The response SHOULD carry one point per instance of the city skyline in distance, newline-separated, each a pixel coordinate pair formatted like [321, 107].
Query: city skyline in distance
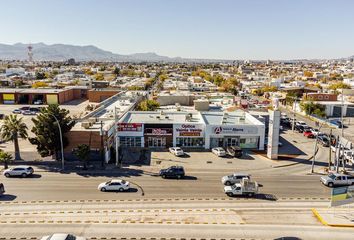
[230, 30]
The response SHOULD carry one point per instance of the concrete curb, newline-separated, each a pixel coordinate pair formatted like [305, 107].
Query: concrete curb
[325, 223]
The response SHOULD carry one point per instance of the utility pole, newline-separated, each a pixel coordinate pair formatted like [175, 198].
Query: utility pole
[342, 113]
[293, 125]
[337, 154]
[101, 134]
[330, 152]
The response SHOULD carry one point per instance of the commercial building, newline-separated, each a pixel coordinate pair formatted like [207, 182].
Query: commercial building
[233, 129]
[41, 95]
[203, 130]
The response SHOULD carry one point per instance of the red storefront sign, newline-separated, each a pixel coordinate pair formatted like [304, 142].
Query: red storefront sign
[130, 127]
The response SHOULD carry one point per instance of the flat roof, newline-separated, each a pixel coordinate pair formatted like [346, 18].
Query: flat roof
[160, 117]
[31, 90]
[226, 118]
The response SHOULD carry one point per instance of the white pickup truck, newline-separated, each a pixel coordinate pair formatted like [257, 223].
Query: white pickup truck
[337, 179]
[244, 188]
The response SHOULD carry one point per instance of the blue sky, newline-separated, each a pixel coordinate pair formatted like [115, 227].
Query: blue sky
[222, 29]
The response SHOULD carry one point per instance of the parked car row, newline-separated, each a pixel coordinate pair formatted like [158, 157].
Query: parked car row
[27, 110]
[232, 151]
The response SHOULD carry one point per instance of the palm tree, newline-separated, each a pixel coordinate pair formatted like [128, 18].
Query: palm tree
[12, 129]
[5, 157]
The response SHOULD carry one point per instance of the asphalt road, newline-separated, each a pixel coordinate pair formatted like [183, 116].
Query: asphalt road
[218, 219]
[57, 186]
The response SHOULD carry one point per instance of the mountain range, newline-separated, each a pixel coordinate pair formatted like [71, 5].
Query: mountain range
[63, 52]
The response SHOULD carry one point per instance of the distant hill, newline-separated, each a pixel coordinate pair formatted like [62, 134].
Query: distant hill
[62, 52]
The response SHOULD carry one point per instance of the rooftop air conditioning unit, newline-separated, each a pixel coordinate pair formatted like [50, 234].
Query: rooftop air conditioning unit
[92, 120]
[86, 125]
[167, 117]
[188, 118]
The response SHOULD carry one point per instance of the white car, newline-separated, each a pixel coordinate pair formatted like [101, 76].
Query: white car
[315, 132]
[301, 123]
[177, 151]
[62, 236]
[20, 171]
[114, 185]
[219, 151]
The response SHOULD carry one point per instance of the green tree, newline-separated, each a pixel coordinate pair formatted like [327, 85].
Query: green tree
[83, 153]
[40, 75]
[116, 71]
[312, 108]
[6, 158]
[12, 129]
[46, 130]
[148, 105]
[339, 85]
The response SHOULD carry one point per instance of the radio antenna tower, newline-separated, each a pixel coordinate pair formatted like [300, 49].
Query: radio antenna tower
[30, 53]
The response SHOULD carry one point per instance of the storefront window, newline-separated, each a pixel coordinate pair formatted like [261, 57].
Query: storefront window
[130, 141]
[190, 142]
[250, 142]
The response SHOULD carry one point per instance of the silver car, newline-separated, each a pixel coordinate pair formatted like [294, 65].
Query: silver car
[234, 178]
[62, 236]
[19, 171]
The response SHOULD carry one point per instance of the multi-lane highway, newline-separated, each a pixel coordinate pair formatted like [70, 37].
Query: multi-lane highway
[56, 186]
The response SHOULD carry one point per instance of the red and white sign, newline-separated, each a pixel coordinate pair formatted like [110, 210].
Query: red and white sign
[188, 130]
[130, 127]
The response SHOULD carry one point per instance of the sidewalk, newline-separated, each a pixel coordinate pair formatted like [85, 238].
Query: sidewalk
[336, 217]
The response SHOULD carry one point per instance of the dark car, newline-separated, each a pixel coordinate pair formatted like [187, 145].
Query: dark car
[299, 128]
[323, 140]
[24, 108]
[337, 123]
[2, 188]
[172, 172]
[234, 151]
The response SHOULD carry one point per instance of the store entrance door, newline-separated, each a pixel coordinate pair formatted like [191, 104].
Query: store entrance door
[235, 141]
[157, 142]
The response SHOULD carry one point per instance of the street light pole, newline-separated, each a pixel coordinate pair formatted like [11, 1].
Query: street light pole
[314, 150]
[61, 141]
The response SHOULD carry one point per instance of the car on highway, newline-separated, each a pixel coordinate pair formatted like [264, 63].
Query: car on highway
[19, 171]
[234, 178]
[219, 151]
[172, 172]
[234, 151]
[337, 179]
[62, 236]
[17, 111]
[28, 112]
[2, 189]
[177, 151]
[114, 185]
[308, 133]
